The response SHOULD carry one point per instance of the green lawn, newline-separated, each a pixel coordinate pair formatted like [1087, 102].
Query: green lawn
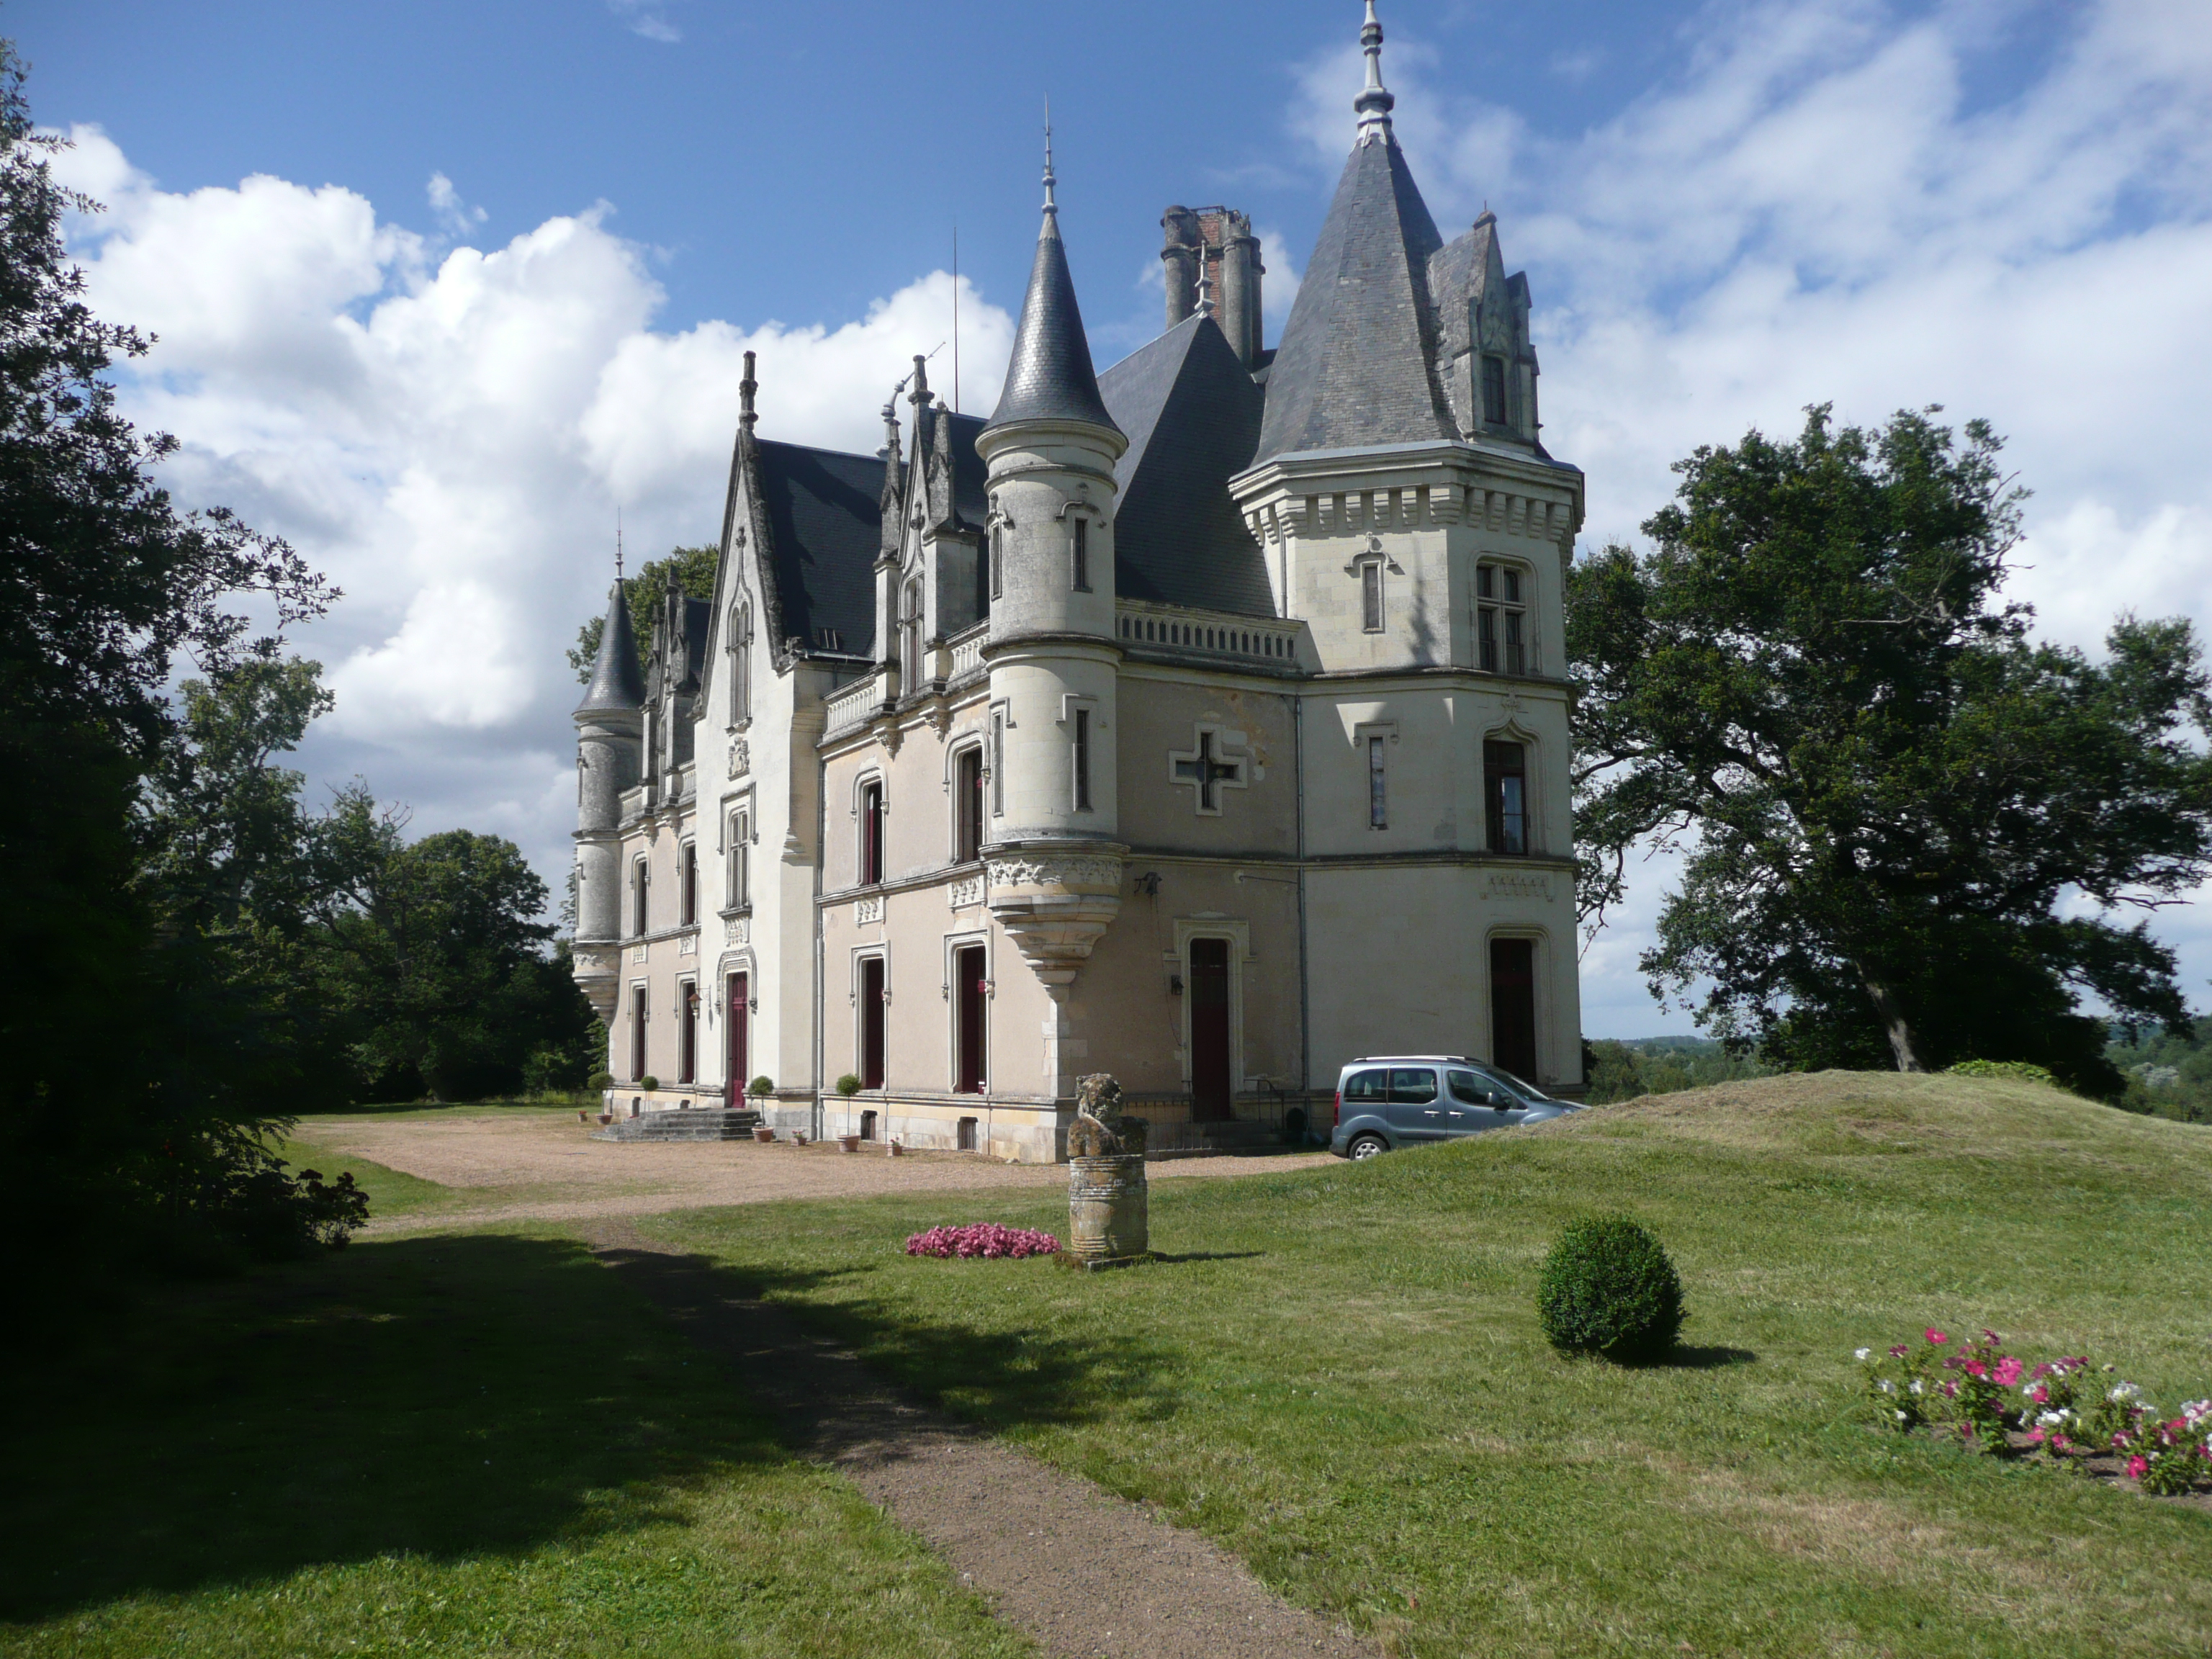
[390, 1192]
[1339, 1374]
[463, 1444]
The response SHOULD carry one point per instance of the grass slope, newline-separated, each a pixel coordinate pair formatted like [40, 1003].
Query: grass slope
[1339, 1373]
[467, 1444]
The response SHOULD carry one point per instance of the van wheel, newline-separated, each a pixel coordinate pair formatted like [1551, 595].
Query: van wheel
[1365, 1147]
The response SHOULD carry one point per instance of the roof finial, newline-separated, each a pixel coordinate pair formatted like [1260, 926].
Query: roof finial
[746, 387]
[1050, 206]
[1373, 104]
[921, 395]
[618, 546]
[1206, 258]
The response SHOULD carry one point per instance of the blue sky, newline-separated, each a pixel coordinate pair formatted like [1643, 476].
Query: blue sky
[440, 287]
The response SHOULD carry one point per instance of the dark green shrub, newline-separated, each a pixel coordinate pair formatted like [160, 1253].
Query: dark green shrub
[762, 1084]
[601, 1082]
[848, 1085]
[648, 1083]
[2019, 1071]
[1608, 1288]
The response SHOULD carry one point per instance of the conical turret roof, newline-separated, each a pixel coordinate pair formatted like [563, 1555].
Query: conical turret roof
[1050, 377]
[617, 682]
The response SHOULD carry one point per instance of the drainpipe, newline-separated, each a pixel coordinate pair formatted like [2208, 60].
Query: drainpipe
[821, 942]
[1298, 779]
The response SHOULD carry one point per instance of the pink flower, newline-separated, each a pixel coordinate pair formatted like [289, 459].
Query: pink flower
[1937, 1336]
[1975, 1368]
[2039, 1394]
[2136, 1467]
[2035, 1437]
[2009, 1370]
[1898, 1352]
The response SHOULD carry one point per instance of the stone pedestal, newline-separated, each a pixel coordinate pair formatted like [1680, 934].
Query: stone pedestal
[1107, 1218]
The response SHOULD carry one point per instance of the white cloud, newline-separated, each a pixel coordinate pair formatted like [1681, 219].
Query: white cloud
[647, 17]
[1816, 210]
[450, 439]
[456, 216]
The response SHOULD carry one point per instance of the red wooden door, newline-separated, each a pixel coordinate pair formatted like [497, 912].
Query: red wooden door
[871, 1022]
[1209, 1030]
[1513, 1006]
[735, 1069]
[967, 973]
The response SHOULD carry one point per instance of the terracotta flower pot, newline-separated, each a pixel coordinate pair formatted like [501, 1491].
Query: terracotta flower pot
[849, 1143]
[605, 1118]
[763, 1134]
[797, 1138]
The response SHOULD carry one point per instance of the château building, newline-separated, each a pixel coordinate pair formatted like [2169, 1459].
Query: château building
[1203, 721]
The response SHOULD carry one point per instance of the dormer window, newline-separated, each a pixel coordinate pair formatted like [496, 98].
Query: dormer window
[1493, 390]
[1500, 620]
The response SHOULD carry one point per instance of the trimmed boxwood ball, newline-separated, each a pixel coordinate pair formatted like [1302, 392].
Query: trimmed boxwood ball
[1608, 1288]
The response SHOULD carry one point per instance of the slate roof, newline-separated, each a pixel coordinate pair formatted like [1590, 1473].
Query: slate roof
[1192, 415]
[1356, 365]
[824, 520]
[1050, 377]
[618, 681]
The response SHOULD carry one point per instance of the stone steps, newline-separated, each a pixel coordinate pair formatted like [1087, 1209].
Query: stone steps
[707, 1123]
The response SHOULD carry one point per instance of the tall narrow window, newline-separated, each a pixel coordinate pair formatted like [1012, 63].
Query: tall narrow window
[1500, 620]
[686, 1035]
[968, 806]
[1505, 793]
[1083, 760]
[910, 639]
[998, 561]
[871, 834]
[1370, 595]
[637, 888]
[971, 988]
[1493, 390]
[741, 663]
[1379, 799]
[1082, 526]
[999, 763]
[874, 988]
[636, 1032]
[689, 906]
[741, 862]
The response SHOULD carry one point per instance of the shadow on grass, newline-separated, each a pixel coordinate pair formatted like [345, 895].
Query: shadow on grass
[1168, 1259]
[1684, 1358]
[444, 1396]
[825, 1363]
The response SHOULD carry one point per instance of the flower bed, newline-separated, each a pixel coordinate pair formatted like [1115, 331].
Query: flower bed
[2059, 1408]
[987, 1239]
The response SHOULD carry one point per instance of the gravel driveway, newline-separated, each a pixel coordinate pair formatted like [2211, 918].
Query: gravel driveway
[544, 1166]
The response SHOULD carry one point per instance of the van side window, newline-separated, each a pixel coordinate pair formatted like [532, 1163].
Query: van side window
[1470, 1087]
[1412, 1085]
[1372, 1086]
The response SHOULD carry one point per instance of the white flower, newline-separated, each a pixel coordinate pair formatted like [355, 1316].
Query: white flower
[1888, 1386]
[2050, 1419]
[2123, 1391]
[1861, 1356]
[1918, 1386]
[1904, 1417]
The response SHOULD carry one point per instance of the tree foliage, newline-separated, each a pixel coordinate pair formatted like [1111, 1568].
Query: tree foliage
[1890, 802]
[691, 568]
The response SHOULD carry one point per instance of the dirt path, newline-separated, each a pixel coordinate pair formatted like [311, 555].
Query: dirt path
[544, 1166]
[1085, 1573]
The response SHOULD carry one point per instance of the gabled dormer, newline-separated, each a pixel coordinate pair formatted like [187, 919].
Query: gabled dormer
[1488, 364]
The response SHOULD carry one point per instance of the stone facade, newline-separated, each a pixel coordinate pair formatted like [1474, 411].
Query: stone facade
[1183, 722]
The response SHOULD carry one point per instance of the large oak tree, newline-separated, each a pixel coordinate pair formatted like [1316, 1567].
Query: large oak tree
[1910, 832]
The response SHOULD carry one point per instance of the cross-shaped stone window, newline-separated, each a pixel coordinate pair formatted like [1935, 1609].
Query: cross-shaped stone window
[1206, 772]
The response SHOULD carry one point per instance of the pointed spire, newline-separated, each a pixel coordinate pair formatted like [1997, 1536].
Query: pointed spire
[922, 395]
[746, 413]
[1374, 104]
[1051, 207]
[891, 505]
[617, 682]
[1050, 377]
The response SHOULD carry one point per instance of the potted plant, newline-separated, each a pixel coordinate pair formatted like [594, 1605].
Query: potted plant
[760, 1089]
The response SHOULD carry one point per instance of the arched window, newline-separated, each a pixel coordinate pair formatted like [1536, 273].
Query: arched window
[910, 639]
[1505, 795]
[741, 664]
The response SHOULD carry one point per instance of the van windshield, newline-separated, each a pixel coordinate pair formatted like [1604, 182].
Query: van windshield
[1528, 1091]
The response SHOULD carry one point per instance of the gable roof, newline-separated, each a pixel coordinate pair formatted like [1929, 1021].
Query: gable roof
[1192, 415]
[824, 521]
[1356, 365]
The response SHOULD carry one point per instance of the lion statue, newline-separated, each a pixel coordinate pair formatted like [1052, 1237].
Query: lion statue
[1101, 1128]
